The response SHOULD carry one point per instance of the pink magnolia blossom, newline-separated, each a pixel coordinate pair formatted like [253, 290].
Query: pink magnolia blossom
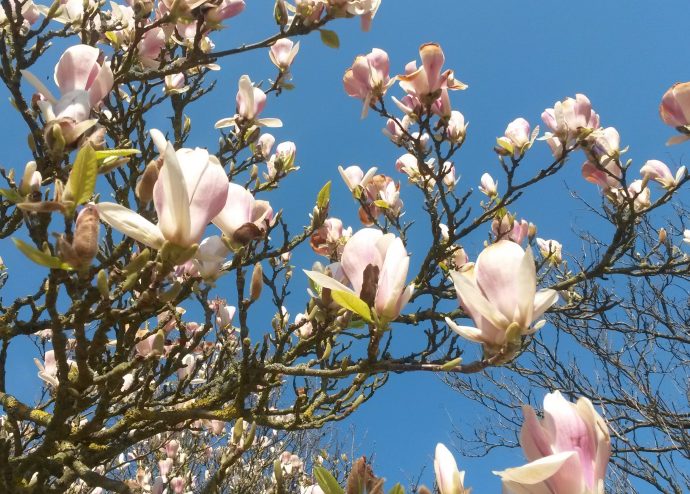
[659, 171]
[368, 79]
[449, 479]
[305, 327]
[499, 294]
[208, 259]
[31, 179]
[567, 120]
[606, 177]
[396, 129]
[243, 218]
[380, 260]
[151, 45]
[250, 103]
[47, 370]
[568, 450]
[29, 10]
[191, 189]
[381, 194]
[224, 10]
[508, 228]
[264, 144]
[354, 177]
[150, 344]
[84, 81]
[283, 52]
[516, 139]
[330, 238]
[550, 249]
[488, 186]
[426, 82]
[675, 110]
[456, 128]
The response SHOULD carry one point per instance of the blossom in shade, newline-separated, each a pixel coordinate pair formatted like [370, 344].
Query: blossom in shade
[568, 450]
[499, 294]
[330, 238]
[376, 266]
[191, 189]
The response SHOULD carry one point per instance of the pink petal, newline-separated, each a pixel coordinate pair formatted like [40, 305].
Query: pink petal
[359, 252]
[77, 68]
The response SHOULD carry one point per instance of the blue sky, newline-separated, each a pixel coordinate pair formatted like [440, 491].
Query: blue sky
[518, 59]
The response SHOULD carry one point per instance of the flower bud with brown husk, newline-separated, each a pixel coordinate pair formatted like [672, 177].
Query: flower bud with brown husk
[84, 246]
[144, 188]
[362, 479]
[257, 282]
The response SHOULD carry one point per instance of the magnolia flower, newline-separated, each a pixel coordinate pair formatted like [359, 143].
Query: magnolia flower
[366, 9]
[224, 313]
[658, 171]
[282, 53]
[224, 10]
[47, 370]
[507, 227]
[305, 328]
[263, 145]
[448, 478]
[84, 80]
[243, 218]
[550, 249]
[603, 145]
[330, 238]
[381, 193]
[606, 177]
[456, 128]
[568, 450]
[396, 129]
[368, 78]
[516, 139]
[354, 177]
[675, 110]
[376, 266]
[250, 103]
[640, 194]
[568, 119]
[31, 179]
[426, 82]
[488, 186]
[208, 259]
[686, 236]
[150, 47]
[29, 10]
[499, 294]
[191, 189]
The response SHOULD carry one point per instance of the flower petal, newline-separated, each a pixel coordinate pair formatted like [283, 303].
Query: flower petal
[131, 224]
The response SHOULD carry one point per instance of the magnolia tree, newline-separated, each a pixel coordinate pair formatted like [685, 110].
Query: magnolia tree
[155, 380]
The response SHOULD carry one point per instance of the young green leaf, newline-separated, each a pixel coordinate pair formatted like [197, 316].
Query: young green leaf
[324, 196]
[82, 178]
[107, 153]
[39, 257]
[11, 195]
[397, 489]
[326, 481]
[329, 38]
[352, 302]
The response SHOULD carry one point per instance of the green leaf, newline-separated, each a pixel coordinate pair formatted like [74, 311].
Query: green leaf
[40, 257]
[353, 303]
[329, 38]
[451, 364]
[397, 489]
[107, 153]
[326, 481]
[82, 178]
[324, 196]
[11, 195]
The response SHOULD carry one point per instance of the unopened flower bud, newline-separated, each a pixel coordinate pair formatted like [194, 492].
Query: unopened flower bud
[31, 180]
[662, 235]
[144, 188]
[86, 231]
[531, 230]
[280, 13]
[257, 282]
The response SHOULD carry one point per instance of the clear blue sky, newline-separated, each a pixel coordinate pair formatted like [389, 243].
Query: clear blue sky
[518, 59]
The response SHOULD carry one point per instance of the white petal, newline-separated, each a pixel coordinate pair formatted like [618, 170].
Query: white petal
[159, 140]
[475, 301]
[269, 122]
[40, 87]
[131, 224]
[467, 332]
[538, 470]
[327, 282]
